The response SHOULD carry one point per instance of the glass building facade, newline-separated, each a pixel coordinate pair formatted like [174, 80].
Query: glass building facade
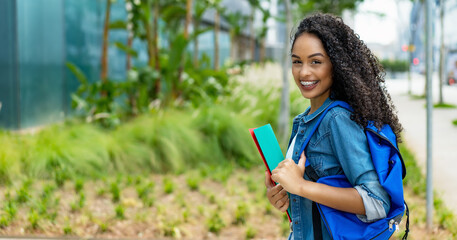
[40, 36]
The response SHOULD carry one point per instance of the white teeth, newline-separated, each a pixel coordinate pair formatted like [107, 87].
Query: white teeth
[307, 83]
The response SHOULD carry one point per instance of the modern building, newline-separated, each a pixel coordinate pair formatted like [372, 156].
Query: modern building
[41, 36]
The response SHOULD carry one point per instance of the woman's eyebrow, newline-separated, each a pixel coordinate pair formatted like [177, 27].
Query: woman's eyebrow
[295, 56]
[315, 54]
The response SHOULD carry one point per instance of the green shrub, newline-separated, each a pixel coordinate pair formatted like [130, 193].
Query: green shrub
[79, 203]
[120, 212]
[10, 155]
[67, 230]
[79, 185]
[250, 232]
[103, 227]
[193, 182]
[163, 140]
[48, 190]
[4, 221]
[395, 65]
[444, 105]
[168, 185]
[22, 194]
[414, 178]
[33, 218]
[143, 191]
[115, 192]
[241, 213]
[215, 223]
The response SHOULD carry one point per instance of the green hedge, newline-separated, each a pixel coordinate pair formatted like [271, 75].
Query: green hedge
[395, 65]
[167, 140]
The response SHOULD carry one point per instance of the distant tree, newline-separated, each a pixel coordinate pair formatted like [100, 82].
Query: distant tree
[327, 6]
[199, 9]
[188, 18]
[255, 4]
[266, 15]
[218, 9]
[237, 21]
[104, 58]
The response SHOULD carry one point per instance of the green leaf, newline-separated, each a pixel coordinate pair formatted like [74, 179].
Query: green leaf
[78, 102]
[128, 50]
[197, 33]
[173, 13]
[118, 24]
[77, 72]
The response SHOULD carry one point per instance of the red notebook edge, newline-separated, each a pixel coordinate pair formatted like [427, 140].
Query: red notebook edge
[251, 130]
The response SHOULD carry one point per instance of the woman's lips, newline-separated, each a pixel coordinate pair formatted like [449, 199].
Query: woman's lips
[308, 85]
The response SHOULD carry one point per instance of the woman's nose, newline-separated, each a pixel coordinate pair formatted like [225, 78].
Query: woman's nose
[304, 71]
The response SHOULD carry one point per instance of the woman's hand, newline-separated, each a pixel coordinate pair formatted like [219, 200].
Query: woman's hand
[276, 194]
[290, 175]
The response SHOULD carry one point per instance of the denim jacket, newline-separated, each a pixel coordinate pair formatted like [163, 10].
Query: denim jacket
[339, 146]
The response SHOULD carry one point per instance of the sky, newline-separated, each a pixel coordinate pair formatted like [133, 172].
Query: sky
[385, 30]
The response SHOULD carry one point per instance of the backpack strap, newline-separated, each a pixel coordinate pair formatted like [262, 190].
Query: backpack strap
[407, 223]
[311, 173]
[332, 105]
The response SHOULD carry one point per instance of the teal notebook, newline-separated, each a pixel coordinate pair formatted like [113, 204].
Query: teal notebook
[269, 148]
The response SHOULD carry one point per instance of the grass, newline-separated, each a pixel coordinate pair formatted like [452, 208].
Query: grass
[415, 181]
[170, 141]
[417, 97]
[211, 140]
[230, 209]
[444, 105]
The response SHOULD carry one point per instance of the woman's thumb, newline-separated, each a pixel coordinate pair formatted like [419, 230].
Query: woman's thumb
[268, 182]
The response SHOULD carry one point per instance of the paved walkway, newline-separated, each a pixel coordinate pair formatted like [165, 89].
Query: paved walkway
[412, 114]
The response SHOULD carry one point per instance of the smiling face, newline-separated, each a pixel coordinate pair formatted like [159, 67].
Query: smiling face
[312, 69]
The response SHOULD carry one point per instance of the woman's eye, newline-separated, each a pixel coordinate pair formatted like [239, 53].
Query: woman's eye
[296, 62]
[316, 62]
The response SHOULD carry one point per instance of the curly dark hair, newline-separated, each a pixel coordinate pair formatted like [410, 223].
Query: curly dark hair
[358, 77]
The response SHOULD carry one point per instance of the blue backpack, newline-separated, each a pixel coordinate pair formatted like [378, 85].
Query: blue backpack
[391, 170]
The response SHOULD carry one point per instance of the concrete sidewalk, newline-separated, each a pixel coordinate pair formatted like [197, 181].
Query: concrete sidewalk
[412, 114]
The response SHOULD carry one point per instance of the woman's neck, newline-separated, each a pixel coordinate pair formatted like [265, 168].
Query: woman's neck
[315, 104]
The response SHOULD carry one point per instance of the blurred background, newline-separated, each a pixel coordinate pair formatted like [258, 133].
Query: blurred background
[42, 36]
[130, 118]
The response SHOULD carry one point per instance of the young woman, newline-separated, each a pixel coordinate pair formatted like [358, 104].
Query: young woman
[330, 62]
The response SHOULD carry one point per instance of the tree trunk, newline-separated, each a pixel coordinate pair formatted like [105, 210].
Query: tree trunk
[252, 34]
[175, 91]
[154, 60]
[196, 27]
[233, 49]
[104, 60]
[188, 18]
[129, 57]
[132, 98]
[262, 52]
[216, 40]
[150, 42]
[285, 105]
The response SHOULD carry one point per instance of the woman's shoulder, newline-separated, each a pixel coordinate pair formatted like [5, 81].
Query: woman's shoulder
[338, 112]
[339, 117]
